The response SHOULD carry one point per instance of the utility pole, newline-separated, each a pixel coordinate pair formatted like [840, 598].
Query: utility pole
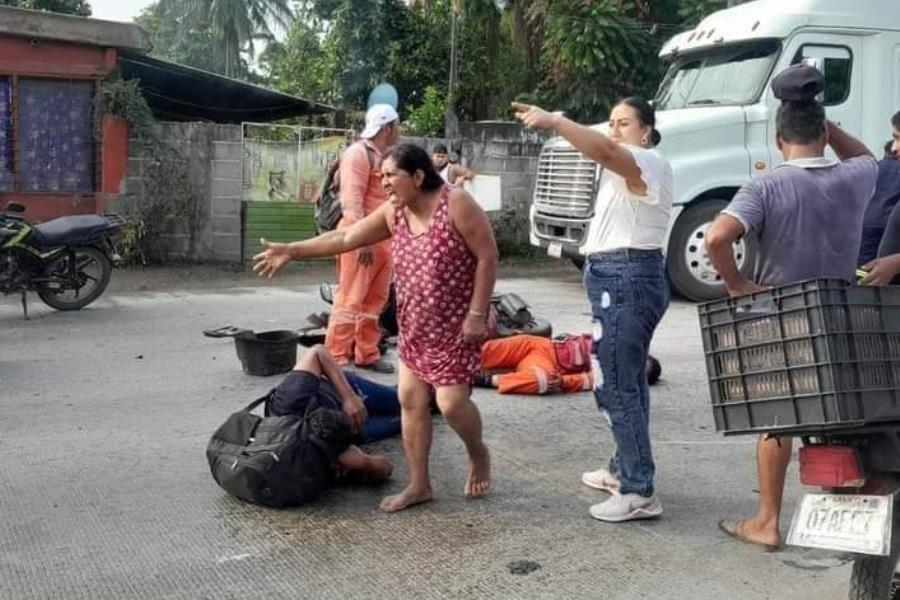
[451, 122]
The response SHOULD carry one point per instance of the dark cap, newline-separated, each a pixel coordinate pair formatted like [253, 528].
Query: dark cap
[798, 83]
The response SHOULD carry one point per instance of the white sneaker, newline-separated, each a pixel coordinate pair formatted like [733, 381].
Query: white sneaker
[601, 479]
[627, 507]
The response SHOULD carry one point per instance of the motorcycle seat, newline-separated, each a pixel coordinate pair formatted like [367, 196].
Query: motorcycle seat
[69, 229]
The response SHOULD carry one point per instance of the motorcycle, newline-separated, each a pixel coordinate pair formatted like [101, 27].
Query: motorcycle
[67, 261]
[858, 513]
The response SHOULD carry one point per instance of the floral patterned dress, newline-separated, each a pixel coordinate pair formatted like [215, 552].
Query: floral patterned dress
[434, 273]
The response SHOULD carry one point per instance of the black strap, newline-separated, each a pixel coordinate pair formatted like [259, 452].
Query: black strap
[369, 154]
[256, 403]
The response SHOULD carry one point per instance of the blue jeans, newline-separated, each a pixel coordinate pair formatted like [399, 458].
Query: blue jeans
[382, 406]
[629, 295]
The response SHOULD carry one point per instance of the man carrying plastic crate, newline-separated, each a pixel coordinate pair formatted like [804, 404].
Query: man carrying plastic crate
[807, 215]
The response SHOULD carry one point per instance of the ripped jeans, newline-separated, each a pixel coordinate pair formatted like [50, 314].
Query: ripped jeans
[629, 294]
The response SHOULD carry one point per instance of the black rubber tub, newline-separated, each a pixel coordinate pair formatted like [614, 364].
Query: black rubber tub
[268, 352]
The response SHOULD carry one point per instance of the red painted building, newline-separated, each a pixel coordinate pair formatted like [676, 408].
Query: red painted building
[57, 156]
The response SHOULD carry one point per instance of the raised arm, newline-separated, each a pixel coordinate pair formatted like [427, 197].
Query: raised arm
[844, 145]
[370, 230]
[474, 228]
[593, 144]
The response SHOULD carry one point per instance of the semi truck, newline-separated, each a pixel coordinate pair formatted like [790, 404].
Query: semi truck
[716, 114]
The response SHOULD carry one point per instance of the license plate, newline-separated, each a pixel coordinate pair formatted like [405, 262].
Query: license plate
[843, 522]
[555, 250]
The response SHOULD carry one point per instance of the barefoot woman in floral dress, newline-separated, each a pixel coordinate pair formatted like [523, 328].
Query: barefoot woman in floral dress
[445, 262]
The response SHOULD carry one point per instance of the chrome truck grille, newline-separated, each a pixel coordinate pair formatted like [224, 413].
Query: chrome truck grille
[566, 184]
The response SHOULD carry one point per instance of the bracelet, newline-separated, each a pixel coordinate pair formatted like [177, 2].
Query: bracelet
[476, 313]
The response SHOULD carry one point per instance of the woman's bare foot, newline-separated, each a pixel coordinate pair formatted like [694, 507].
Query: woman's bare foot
[478, 481]
[410, 496]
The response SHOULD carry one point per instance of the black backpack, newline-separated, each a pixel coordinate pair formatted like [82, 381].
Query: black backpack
[328, 200]
[278, 461]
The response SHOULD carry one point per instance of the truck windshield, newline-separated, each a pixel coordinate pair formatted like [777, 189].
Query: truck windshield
[732, 74]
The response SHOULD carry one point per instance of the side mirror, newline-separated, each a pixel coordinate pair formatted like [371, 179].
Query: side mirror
[15, 207]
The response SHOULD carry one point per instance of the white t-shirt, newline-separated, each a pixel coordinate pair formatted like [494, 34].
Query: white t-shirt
[445, 173]
[623, 219]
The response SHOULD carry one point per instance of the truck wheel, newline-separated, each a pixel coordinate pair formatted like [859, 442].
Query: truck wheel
[872, 576]
[690, 269]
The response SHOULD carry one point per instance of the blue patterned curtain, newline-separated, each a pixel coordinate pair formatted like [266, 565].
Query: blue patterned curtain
[6, 135]
[56, 148]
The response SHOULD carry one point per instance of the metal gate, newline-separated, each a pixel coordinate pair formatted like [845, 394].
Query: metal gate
[283, 168]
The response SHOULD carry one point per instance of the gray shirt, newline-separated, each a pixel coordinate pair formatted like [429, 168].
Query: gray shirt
[807, 215]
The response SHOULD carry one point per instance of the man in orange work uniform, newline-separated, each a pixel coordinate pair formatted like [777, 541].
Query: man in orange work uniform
[541, 365]
[365, 275]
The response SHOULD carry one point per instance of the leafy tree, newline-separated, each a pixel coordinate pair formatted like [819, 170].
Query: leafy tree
[80, 8]
[187, 44]
[427, 119]
[693, 11]
[299, 65]
[590, 49]
[235, 25]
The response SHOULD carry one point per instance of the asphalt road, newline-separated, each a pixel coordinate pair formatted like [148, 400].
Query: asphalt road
[105, 492]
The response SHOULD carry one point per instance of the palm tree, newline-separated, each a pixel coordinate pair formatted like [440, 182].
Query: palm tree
[235, 23]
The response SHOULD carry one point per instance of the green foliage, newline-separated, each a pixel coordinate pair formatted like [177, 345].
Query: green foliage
[591, 51]
[693, 11]
[133, 244]
[70, 7]
[191, 44]
[427, 119]
[124, 99]
[228, 29]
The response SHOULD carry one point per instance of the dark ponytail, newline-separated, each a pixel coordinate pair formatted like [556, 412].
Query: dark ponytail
[646, 115]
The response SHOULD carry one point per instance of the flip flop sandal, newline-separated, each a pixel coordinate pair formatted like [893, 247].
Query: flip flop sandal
[735, 530]
[226, 331]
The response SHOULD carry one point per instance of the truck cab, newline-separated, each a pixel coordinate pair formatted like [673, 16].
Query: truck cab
[716, 114]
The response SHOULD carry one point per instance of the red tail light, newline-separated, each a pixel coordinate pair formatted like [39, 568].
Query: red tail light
[831, 466]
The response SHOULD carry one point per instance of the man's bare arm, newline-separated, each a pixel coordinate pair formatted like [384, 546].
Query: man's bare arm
[844, 145]
[720, 238]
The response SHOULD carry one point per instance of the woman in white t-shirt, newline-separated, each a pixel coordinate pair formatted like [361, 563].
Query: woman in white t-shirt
[624, 276]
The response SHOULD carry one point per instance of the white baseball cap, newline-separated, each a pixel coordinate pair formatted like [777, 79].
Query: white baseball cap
[377, 117]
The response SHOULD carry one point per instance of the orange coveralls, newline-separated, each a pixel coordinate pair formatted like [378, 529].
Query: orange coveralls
[533, 360]
[362, 291]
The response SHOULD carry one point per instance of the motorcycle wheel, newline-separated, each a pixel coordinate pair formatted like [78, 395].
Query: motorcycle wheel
[872, 576]
[93, 269]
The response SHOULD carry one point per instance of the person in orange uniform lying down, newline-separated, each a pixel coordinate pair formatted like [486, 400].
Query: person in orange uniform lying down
[540, 365]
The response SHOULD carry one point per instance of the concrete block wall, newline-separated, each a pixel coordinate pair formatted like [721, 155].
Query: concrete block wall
[213, 156]
[510, 151]
[215, 164]
[225, 196]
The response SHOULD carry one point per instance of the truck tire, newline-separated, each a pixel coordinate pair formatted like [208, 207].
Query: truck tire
[690, 271]
[872, 576]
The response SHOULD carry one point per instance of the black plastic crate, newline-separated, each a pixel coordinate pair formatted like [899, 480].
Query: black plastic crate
[803, 358]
